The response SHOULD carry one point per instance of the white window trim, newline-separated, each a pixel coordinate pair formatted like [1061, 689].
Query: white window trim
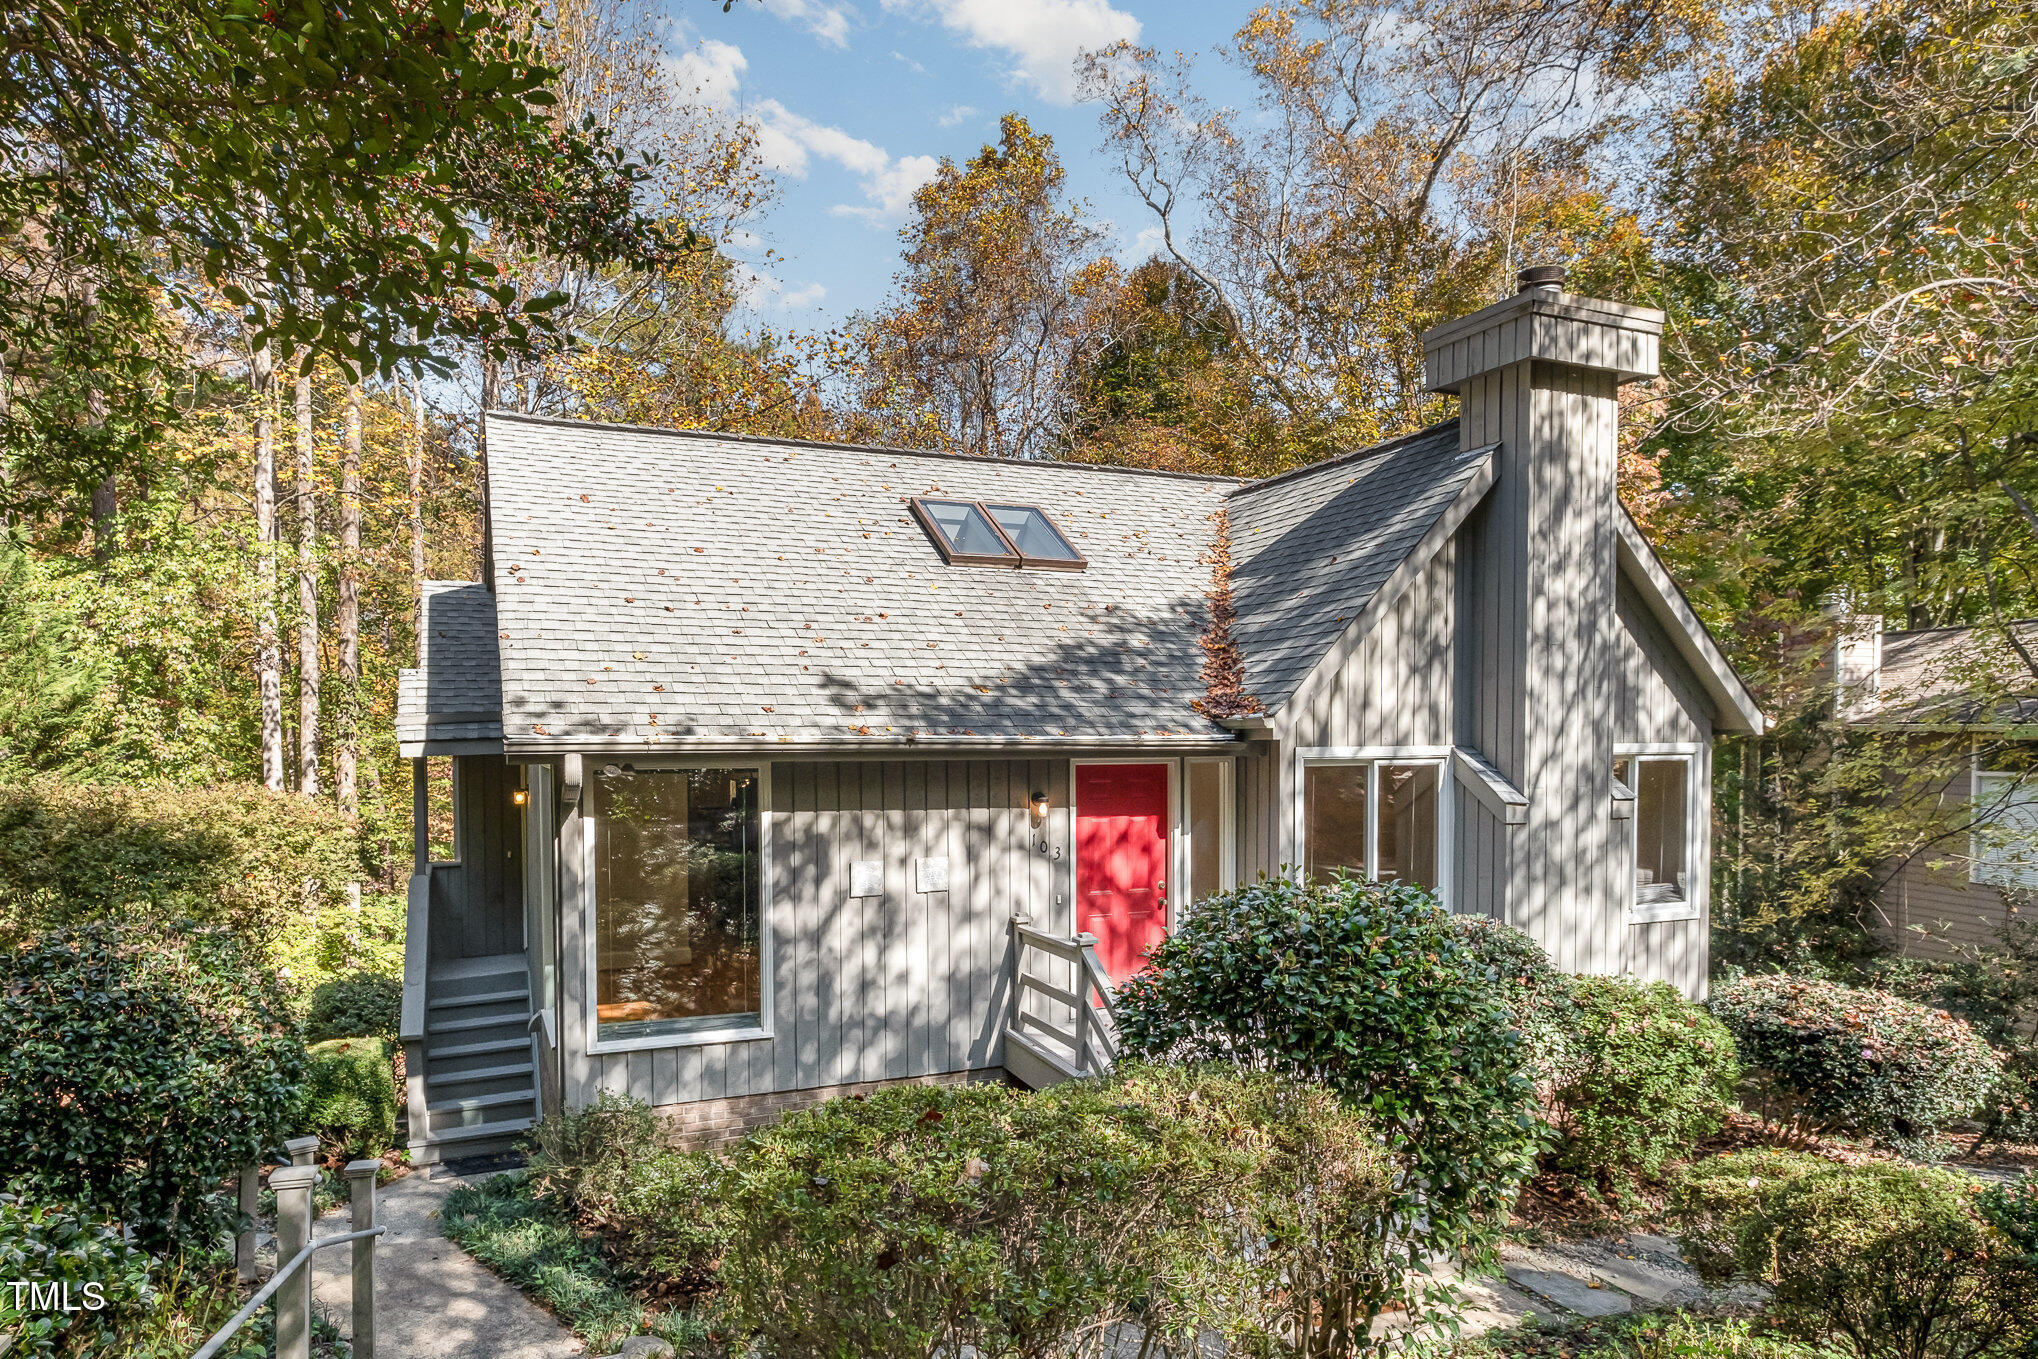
[1440, 757]
[1227, 823]
[1976, 867]
[735, 1033]
[1660, 912]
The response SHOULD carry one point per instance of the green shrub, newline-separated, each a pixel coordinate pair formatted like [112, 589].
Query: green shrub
[1649, 1074]
[1713, 1199]
[64, 1259]
[1861, 1062]
[265, 865]
[1538, 996]
[658, 1212]
[350, 1096]
[1995, 989]
[1887, 1261]
[926, 1220]
[1371, 989]
[358, 1005]
[2012, 1209]
[142, 1068]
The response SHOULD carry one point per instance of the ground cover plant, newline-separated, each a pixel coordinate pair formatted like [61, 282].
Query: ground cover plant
[537, 1246]
[143, 1068]
[1864, 1063]
[1372, 990]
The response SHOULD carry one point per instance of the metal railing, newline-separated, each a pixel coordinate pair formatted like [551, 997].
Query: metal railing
[1089, 1040]
[290, 1285]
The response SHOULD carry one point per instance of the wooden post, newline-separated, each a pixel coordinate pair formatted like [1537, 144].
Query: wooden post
[301, 1150]
[1020, 920]
[293, 1185]
[420, 817]
[361, 1186]
[244, 1239]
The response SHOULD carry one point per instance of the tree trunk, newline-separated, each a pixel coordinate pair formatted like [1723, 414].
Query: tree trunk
[491, 380]
[307, 599]
[348, 754]
[414, 465]
[268, 646]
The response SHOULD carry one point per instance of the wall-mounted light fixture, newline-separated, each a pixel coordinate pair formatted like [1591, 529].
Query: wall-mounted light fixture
[1040, 804]
[520, 796]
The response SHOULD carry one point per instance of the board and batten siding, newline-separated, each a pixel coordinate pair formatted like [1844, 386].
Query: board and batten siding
[862, 988]
[1397, 687]
[478, 900]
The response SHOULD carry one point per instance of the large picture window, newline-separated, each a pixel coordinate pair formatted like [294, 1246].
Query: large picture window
[678, 902]
[1375, 819]
[1662, 826]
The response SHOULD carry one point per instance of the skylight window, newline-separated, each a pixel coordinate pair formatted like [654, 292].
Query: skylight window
[972, 533]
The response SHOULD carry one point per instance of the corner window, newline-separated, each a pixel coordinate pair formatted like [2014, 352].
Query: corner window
[2005, 835]
[1662, 827]
[678, 891]
[974, 533]
[1375, 819]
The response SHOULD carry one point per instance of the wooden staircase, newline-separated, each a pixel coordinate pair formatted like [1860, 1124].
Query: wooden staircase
[1062, 1025]
[480, 1090]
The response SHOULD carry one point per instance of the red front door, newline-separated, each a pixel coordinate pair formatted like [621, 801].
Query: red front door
[1122, 861]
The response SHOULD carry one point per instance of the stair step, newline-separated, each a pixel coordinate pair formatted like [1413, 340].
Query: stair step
[461, 1105]
[521, 993]
[476, 1049]
[479, 1022]
[477, 1075]
[474, 1132]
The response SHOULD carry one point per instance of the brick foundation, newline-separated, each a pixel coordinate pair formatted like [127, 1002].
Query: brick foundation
[715, 1122]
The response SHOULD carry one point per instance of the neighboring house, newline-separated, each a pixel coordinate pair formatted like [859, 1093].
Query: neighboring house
[784, 766]
[1965, 696]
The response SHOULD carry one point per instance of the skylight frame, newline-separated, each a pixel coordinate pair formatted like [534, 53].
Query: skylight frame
[1012, 558]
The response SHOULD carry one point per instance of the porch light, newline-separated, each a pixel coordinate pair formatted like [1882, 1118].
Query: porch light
[520, 796]
[1039, 803]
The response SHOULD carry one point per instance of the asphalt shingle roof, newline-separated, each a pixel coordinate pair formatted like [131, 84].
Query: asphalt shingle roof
[1311, 548]
[455, 693]
[655, 585]
[1957, 676]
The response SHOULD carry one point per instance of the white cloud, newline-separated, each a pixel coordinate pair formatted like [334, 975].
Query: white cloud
[711, 71]
[828, 23]
[1042, 36]
[890, 191]
[915, 67]
[1141, 247]
[957, 113]
[788, 141]
[761, 292]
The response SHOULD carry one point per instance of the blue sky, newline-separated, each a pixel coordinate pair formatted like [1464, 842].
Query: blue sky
[858, 100]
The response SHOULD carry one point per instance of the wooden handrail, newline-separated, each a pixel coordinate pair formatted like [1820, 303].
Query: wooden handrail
[1092, 1045]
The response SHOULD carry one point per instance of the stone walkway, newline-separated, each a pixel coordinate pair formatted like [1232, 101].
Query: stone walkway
[433, 1300]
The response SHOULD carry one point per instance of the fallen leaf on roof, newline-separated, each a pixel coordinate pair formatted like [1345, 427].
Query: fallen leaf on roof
[636, 655]
[540, 730]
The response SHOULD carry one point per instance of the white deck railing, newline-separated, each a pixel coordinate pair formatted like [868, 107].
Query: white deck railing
[1063, 1023]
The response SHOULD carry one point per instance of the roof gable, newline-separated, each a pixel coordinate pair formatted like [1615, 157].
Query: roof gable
[1312, 549]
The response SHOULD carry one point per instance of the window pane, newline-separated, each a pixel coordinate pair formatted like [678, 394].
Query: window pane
[677, 888]
[1206, 828]
[1032, 533]
[968, 532]
[1334, 829]
[2006, 831]
[1660, 826]
[1408, 824]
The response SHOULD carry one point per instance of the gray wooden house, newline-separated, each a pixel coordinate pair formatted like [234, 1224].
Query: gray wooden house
[789, 768]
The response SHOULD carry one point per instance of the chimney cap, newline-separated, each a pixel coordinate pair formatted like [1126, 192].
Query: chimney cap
[1541, 276]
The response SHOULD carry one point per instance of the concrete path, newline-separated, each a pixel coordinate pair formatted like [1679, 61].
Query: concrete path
[433, 1300]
